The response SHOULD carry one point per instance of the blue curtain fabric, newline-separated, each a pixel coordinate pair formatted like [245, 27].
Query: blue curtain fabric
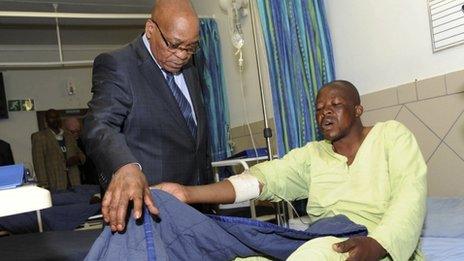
[214, 88]
[300, 59]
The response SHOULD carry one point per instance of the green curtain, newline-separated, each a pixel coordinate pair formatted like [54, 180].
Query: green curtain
[214, 88]
[300, 59]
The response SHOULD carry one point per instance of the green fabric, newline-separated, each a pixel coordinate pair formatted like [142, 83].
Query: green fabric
[300, 59]
[384, 188]
[214, 89]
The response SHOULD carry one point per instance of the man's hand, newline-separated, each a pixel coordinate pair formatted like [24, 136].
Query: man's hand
[361, 248]
[174, 189]
[127, 184]
[72, 161]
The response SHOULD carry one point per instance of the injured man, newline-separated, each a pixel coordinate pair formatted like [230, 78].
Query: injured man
[357, 178]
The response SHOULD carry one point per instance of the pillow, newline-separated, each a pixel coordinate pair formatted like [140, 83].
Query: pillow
[444, 218]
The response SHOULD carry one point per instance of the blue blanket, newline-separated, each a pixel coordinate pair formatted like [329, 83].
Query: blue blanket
[182, 233]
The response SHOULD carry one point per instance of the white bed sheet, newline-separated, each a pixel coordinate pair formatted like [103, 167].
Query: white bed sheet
[443, 248]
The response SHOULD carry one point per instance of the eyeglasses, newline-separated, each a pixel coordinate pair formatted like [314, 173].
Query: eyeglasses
[176, 47]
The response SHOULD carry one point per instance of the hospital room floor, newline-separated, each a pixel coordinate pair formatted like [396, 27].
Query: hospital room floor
[50, 246]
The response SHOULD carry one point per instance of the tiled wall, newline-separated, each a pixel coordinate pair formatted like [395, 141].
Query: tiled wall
[433, 109]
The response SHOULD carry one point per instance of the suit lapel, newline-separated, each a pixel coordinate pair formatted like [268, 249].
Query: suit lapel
[156, 80]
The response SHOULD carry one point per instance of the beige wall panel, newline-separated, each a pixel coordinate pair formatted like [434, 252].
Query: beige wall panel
[256, 128]
[455, 138]
[369, 118]
[427, 140]
[407, 93]
[440, 113]
[240, 131]
[380, 99]
[431, 87]
[445, 173]
[243, 143]
[455, 82]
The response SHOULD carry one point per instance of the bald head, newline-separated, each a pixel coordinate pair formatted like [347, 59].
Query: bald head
[170, 12]
[73, 125]
[173, 32]
[347, 89]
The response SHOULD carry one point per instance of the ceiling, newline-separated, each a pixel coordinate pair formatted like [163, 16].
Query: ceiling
[74, 6]
[123, 6]
[33, 31]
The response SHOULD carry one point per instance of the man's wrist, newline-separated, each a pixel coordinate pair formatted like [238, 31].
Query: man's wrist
[127, 168]
[382, 250]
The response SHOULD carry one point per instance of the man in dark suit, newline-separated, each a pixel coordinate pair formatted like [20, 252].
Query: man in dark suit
[6, 156]
[147, 113]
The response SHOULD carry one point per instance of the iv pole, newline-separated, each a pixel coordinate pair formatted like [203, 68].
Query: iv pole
[281, 207]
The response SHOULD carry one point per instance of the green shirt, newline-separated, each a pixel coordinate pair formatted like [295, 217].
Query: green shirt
[384, 188]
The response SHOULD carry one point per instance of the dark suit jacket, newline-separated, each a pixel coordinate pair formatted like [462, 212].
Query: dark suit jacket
[6, 156]
[133, 117]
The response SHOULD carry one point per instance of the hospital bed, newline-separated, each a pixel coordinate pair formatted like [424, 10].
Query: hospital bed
[443, 233]
[69, 210]
[442, 237]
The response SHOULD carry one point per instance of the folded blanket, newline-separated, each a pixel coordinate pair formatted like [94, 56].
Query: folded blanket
[182, 233]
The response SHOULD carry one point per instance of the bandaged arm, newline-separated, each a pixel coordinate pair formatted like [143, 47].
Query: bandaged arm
[225, 191]
[246, 186]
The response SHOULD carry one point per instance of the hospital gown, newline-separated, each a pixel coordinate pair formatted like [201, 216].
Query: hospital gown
[384, 189]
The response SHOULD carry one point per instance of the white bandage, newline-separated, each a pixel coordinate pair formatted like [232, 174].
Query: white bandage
[245, 185]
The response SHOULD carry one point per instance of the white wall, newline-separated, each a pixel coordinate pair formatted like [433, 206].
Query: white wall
[232, 75]
[46, 86]
[48, 89]
[381, 44]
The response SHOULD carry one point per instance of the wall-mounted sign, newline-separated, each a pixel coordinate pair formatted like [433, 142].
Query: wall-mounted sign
[21, 105]
[27, 105]
[14, 105]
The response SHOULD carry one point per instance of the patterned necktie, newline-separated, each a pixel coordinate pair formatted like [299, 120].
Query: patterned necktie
[183, 103]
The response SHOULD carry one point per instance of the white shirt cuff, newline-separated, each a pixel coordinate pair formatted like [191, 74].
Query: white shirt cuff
[138, 164]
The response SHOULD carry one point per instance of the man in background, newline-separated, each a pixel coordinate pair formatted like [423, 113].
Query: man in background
[87, 169]
[56, 155]
[146, 122]
[6, 156]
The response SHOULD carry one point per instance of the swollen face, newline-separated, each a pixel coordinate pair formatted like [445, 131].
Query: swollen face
[335, 113]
